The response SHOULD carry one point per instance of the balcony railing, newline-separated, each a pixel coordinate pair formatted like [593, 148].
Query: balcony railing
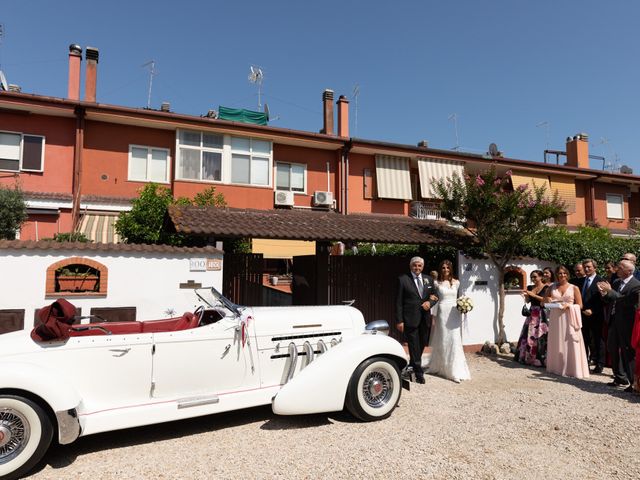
[425, 211]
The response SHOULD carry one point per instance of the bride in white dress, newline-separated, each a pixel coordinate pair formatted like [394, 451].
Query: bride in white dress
[447, 354]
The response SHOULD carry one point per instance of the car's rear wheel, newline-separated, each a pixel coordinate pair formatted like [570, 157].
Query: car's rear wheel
[25, 435]
[374, 389]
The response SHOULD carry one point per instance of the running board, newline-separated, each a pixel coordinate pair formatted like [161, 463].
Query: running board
[197, 401]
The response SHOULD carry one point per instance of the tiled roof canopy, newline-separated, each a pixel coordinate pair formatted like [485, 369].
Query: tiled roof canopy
[310, 225]
[103, 247]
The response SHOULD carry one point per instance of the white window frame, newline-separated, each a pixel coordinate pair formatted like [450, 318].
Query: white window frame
[251, 157]
[610, 205]
[149, 150]
[21, 154]
[304, 178]
[200, 149]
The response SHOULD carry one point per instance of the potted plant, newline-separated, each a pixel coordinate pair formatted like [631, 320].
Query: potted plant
[77, 278]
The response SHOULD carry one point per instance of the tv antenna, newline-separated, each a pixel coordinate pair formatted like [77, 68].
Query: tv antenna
[152, 71]
[454, 117]
[546, 126]
[356, 93]
[3, 80]
[256, 76]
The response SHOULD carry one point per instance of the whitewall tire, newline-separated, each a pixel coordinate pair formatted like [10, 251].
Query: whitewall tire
[374, 389]
[25, 435]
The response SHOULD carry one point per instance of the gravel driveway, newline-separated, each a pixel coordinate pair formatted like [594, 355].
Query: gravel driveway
[509, 421]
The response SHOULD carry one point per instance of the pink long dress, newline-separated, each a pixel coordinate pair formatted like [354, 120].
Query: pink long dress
[566, 354]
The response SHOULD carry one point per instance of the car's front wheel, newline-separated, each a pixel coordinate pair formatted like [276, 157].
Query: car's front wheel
[374, 389]
[25, 435]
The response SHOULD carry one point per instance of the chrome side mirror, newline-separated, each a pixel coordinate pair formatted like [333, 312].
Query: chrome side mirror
[377, 326]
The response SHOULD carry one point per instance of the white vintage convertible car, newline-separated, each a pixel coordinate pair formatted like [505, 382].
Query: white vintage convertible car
[72, 380]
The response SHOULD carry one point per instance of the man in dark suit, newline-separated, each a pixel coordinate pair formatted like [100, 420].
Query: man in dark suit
[415, 297]
[623, 295]
[592, 314]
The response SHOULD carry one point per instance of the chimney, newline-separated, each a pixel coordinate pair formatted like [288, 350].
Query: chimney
[343, 116]
[327, 102]
[578, 151]
[91, 77]
[75, 57]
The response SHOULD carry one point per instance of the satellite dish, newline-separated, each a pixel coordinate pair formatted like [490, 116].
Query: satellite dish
[266, 110]
[626, 169]
[493, 150]
[3, 82]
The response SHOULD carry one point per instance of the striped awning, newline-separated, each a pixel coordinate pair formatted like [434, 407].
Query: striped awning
[393, 177]
[566, 188]
[532, 180]
[436, 169]
[100, 227]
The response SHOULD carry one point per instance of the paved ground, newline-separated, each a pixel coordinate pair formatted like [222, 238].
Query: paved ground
[509, 421]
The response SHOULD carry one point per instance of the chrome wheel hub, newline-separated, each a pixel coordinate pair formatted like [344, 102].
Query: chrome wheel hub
[377, 388]
[14, 434]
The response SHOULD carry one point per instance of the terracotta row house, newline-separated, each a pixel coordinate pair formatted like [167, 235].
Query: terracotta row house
[81, 162]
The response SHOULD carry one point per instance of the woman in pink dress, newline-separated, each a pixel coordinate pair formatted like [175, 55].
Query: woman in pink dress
[566, 354]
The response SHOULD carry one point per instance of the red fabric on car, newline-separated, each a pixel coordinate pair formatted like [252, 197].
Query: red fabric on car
[116, 328]
[56, 319]
[188, 320]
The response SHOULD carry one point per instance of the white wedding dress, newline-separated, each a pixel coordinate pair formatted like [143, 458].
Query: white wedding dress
[447, 354]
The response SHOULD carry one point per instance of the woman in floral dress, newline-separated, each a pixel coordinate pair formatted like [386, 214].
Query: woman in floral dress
[532, 345]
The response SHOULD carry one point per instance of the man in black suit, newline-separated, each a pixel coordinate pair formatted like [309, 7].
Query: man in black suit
[415, 297]
[623, 295]
[592, 314]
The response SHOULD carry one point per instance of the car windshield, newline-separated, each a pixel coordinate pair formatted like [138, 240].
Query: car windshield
[212, 297]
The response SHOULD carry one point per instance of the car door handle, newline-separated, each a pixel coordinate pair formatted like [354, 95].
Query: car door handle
[120, 351]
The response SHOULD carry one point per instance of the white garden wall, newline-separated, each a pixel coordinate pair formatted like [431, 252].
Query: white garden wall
[149, 280]
[481, 324]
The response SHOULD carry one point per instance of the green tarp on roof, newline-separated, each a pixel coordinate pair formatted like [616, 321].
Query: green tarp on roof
[242, 115]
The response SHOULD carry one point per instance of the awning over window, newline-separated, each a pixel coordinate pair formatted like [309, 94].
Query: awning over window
[431, 169]
[100, 228]
[392, 177]
[566, 187]
[531, 180]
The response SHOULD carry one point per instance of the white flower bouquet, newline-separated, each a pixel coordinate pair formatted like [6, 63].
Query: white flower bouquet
[464, 304]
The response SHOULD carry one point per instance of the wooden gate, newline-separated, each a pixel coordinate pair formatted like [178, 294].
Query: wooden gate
[369, 280]
[242, 278]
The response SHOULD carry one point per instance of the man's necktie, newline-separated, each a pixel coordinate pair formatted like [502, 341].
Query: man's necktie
[585, 287]
[419, 284]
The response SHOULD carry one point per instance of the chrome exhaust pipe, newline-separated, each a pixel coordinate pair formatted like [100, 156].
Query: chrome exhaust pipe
[308, 349]
[293, 355]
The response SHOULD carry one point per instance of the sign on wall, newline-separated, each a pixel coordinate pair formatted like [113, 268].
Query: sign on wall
[205, 264]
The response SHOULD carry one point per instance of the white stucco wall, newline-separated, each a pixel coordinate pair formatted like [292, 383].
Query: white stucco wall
[481, 324]
[148, 281]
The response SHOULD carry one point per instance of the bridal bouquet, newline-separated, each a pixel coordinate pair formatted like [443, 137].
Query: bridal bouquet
[464, 304]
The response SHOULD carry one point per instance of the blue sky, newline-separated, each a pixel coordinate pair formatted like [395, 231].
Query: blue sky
[503, 66]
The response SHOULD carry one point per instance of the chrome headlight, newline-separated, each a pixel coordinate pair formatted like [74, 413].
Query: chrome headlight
[377, 326]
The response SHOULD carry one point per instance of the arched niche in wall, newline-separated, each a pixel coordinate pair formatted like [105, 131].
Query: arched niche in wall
[515, 279]
[76, 276]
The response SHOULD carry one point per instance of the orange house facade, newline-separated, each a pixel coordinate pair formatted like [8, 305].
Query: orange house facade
[81, 162]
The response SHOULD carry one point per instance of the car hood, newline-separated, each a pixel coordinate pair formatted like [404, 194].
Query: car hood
[305, 321]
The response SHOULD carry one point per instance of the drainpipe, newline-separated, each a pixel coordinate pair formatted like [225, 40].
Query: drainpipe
[77, 169]
[345, 152]
[592, 199]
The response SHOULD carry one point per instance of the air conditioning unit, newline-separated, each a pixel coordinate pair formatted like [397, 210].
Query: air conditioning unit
[284, 198]
[324, 199]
